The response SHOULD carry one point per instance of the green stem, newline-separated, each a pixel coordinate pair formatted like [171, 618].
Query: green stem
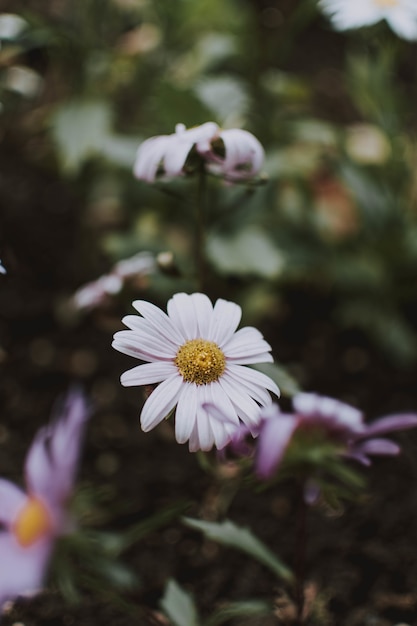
[200, 237]
[300, 553]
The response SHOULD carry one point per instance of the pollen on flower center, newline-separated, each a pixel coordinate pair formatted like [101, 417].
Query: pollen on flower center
[32, 522]
[200, 361]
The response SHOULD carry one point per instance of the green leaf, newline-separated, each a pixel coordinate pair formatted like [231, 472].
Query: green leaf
[80, 129]
[179, 605]
[241, 538]
[250, 252]
[239, 609]
[286, 383]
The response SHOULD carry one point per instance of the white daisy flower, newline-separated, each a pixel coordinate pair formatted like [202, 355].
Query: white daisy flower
[240, 158]
[401, 15]
[198, 357]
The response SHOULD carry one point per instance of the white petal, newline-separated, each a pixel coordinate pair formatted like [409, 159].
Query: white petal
[142, 347]
[257, 392]
[182, 313]
[403, 24]
[176, 156]
[247, 409]
[203, 312]
[205, 434]
[241, 149]
[159, 320]
[225, 319]
[161, 401]
[245, 343]
[136, 322]
[221, 429]
[148, 157]
[246, 374]
[148, 374]
[186, 412]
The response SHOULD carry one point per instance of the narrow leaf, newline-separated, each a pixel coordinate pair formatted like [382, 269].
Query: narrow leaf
[243, 539]
[179, 605]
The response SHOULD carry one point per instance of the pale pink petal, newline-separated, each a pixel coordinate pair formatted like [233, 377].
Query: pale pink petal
[225, 319]
[12, 499]
[148, 374]
[161, 401]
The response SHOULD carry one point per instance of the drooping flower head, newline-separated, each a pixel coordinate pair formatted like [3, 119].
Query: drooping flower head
[32, 519]
[197, 356]
[401, 15]
[234, 154]
[331, 420]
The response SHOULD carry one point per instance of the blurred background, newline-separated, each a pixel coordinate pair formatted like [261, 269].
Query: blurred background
[321, 254]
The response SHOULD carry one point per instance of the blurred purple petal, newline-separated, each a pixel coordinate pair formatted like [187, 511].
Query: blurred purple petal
[391, 423]
[22, 570]
[378, 447]
[53, 458]
[275, 435]
[11, 500]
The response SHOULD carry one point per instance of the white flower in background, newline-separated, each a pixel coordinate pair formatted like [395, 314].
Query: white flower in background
[197, 356]
[95, 293]
[401, 15]
[234, 154]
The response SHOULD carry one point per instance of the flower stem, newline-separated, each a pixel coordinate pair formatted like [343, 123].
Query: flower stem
[300, 553]
[200, 236]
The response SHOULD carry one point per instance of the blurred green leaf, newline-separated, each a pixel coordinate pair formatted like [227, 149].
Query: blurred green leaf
[242, 539]
[179, 605]
[239, 609]
[80, 129]
[250, 252]
[286, 383]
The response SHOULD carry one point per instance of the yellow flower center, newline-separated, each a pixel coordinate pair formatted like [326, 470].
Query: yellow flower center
[386, 3]
[32, 522]
[200, 361]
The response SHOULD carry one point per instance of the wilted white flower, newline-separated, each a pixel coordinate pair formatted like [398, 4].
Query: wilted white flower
[401, 15]
[197, 356]
[234, 154]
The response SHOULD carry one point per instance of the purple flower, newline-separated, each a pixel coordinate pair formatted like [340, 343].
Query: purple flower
[336, 421]
[32, 519]
[233, 154]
